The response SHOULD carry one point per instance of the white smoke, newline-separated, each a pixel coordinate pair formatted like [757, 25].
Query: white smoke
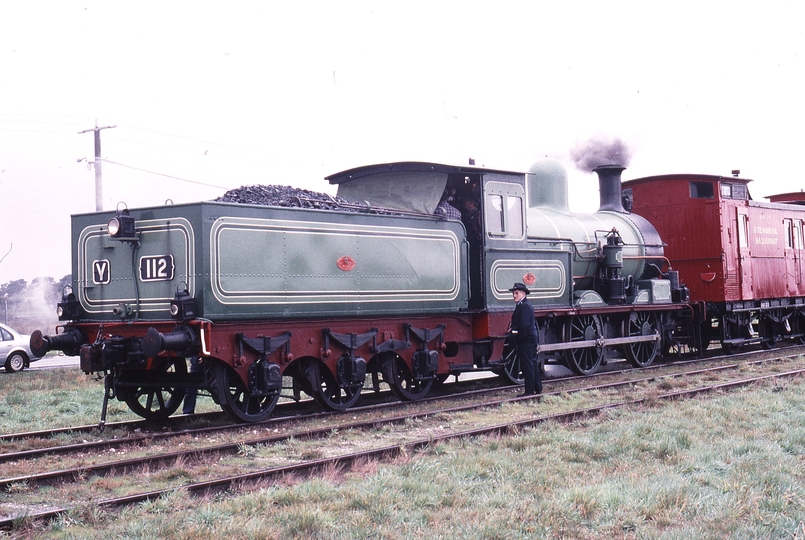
[34, 307]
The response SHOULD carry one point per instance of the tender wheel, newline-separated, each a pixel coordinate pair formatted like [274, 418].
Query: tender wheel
[236, 401]
[15, 362]
[402, 382]
[511, 367]
[158, 403]
[584, 328]
[641, 353]
[329, 394]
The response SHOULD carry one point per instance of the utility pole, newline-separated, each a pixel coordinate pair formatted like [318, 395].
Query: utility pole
[97, 164]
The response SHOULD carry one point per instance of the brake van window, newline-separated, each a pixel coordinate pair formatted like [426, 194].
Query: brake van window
[701, 190]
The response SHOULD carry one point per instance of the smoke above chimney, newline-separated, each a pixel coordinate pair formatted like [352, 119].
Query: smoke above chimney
[600, 150]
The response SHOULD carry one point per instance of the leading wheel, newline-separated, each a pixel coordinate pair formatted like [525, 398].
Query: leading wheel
[641, 324]
[237, 402]
[329, 394]
[15, 362]
[587, 360]
[402, 382]
[154, 402]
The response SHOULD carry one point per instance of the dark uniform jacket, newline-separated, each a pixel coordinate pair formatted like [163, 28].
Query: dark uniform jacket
[523, 328]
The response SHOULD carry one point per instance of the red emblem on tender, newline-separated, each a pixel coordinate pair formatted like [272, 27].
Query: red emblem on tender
[345, 263]
[529, 279]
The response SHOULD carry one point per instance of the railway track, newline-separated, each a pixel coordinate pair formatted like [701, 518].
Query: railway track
[284, 410]
[132, 433]
[421, 427]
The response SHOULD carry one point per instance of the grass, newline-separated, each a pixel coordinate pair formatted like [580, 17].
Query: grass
[726, 467]
[42, 399]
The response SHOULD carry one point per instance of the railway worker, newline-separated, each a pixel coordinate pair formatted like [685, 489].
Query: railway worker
[472, 221]
[446, 209]
[471, 217]
[526, 338]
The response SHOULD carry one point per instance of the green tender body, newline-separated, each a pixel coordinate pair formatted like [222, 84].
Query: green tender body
[257, 262]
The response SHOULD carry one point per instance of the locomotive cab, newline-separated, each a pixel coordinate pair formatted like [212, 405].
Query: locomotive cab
[491, 205]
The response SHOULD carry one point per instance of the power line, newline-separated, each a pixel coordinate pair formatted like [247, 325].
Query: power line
[165, 175]
[66, 130]
[195, 151]
[192, 139]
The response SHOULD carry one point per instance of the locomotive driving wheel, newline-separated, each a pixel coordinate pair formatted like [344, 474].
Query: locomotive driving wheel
[237, 401]
[587, 360]
[641, 353]
[402, 382]
[512, 369]
[154, 402]
[328, 393]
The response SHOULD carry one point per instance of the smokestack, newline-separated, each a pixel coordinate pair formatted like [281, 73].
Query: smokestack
[609, 185]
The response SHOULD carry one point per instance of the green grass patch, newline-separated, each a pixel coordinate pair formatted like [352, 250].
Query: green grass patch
[726, 467]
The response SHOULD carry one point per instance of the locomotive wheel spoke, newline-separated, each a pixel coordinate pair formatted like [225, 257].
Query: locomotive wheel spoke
[330, 395]
[158, 403]
[402, 381]
[641, 324]
[238, 403]
[584, 328]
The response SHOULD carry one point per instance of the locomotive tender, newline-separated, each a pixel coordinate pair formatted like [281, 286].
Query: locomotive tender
[314, 300]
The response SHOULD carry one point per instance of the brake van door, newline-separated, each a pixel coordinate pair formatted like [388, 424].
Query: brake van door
[744, 254]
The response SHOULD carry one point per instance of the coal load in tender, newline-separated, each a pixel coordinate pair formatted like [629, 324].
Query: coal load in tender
[287, 196]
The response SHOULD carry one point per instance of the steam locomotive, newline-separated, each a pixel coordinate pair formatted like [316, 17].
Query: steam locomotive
[312, 301]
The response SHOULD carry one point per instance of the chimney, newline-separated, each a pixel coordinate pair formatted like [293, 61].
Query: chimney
[609, 186]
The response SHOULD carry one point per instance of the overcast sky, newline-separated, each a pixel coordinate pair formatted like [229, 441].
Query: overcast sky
[208, 97]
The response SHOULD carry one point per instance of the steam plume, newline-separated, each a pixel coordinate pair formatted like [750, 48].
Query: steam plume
[600, 150]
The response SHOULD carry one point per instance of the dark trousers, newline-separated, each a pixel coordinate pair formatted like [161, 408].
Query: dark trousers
[189, 406]
[527, 352]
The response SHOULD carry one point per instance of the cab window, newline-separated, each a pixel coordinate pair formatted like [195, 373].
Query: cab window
[504, 215]
[505, 211]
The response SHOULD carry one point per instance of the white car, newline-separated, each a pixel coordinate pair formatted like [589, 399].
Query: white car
[15, 350]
